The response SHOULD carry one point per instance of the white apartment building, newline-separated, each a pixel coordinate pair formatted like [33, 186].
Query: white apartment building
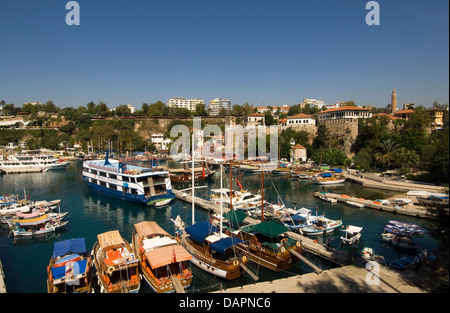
[184, 103]
[312, 103]
[346, 112]
[300, 119]
[217, 104]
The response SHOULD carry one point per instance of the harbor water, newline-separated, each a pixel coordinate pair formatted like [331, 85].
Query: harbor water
[25, 260]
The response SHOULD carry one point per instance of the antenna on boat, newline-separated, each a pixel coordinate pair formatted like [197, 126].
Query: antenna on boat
[107, 155]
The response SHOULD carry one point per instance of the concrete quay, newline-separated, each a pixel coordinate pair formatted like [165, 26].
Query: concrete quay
[2, 279]
[352, 279]
[387, 183]
[410, 209]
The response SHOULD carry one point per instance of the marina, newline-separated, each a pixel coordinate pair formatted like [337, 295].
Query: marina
[92, 213]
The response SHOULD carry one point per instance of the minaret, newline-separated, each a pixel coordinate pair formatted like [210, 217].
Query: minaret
[394, 102]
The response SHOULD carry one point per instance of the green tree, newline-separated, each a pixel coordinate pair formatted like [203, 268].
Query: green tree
[385, 154]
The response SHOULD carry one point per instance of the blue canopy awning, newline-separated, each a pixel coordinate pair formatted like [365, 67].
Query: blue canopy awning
[77, 245]
[298, 218]
[78, 268]
[199, 231]
[326, 174]
[223, 244]
[337, 170]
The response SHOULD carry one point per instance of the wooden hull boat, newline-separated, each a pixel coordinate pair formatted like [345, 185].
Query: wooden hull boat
[115, 263]
[69, 270]
[211, 251]
[163, 261]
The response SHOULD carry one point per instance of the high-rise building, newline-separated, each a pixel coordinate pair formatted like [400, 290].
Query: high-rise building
[394, 102]
[217, 104]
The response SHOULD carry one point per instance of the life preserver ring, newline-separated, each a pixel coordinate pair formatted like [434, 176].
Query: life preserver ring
[235, 262]
[282, 249]
[244, 259]
[187, 276]
[110, 270]
[298, 244]
[41, 210]
[283, 241]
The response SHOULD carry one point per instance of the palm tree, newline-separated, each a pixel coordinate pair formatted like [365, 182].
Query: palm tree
[386, 152]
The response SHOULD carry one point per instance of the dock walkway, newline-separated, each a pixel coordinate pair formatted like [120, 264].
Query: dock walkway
[410, 209]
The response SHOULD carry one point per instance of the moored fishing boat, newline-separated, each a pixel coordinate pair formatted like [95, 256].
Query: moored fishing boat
[211, 250]
[352, 234]
[115, 178]
[328, 179]
[267, 244]
[37, 226]
[115, 264]
[163, 261]
[321, 226]
[69, 270]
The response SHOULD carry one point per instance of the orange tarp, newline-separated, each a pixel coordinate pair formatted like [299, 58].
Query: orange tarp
[149, 228]
[166, 255]
[110, 238]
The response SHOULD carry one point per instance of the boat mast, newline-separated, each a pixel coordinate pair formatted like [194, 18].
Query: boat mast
[221, 197]
[193, 147]
[262, 193]
[231, 185]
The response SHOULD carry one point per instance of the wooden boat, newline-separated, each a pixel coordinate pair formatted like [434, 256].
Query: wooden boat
[37, 226]
[267, 244]
[183, 175]
[415, 229]
[69, 270]
[328, 179]
[387, 237]
[212, 250]
[321, 226]
[115, 263]
[402, 263]
[352, 234]
[163, 261]
[404, 243]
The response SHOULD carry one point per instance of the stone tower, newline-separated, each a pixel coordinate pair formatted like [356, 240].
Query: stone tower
[394, 102]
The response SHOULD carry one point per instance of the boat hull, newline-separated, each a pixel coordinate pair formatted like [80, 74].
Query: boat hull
[156, 200]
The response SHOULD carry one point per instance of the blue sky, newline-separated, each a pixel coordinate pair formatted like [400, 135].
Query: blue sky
[256, 51]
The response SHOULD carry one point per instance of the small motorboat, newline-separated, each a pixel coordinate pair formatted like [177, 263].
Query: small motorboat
[402, 263]
[328, 199]
[367, 253]
[355, 204]
[388, 237]
[352, 234]
[404, 243]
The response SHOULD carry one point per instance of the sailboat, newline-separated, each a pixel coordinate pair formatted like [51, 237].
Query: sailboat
[266, 243]
[212, 250]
